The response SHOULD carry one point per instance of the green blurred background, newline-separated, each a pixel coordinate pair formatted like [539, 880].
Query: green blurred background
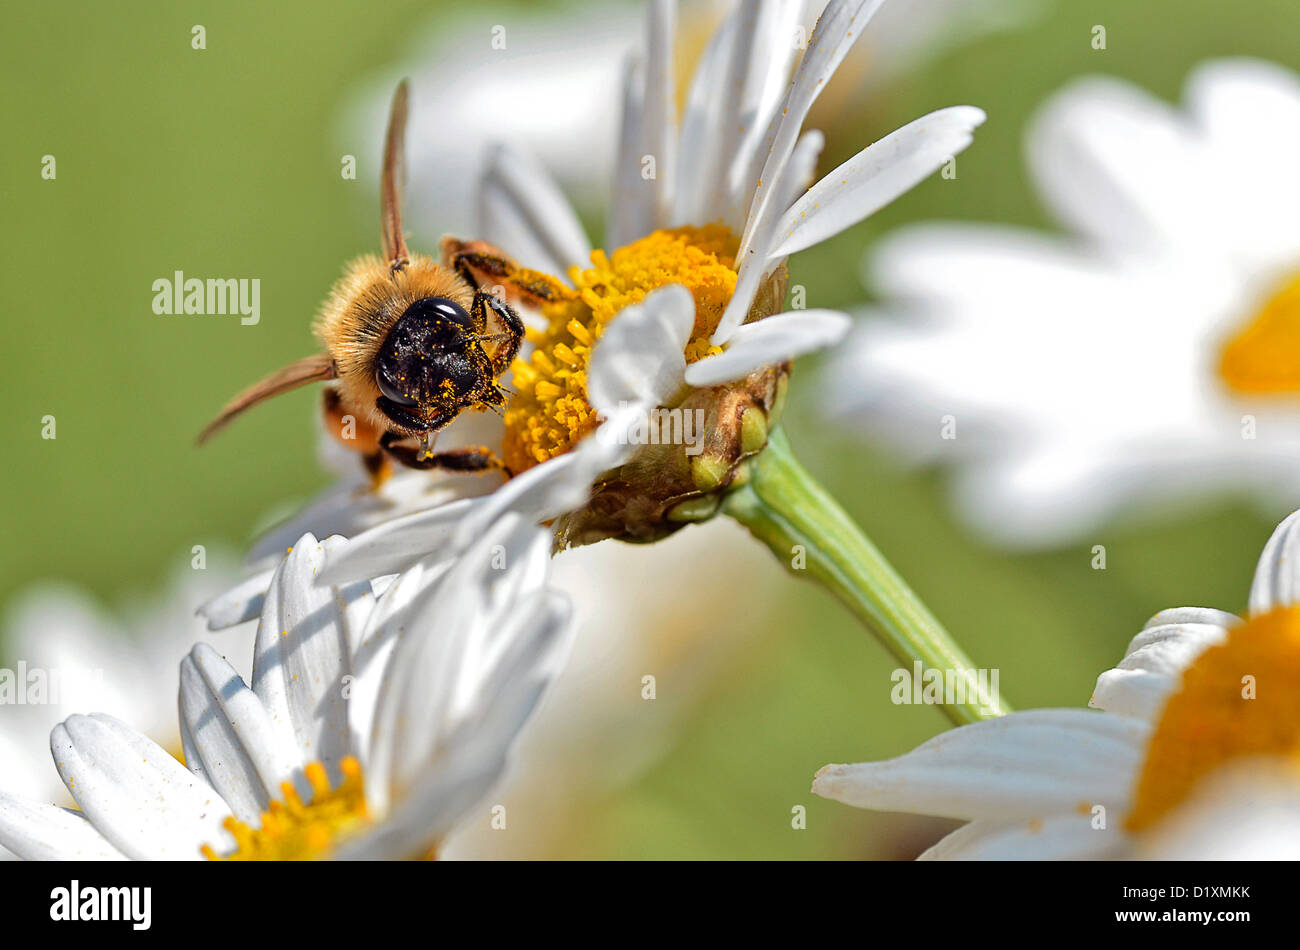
[226, 162]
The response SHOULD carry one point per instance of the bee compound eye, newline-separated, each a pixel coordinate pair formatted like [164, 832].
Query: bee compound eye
[438, 308]
[388, 387]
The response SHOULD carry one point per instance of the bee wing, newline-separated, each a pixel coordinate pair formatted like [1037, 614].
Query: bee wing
[394, 179]
[310, 369]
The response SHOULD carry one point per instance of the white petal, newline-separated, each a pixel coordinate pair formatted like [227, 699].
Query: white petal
[1054, 838]
[558, 485]
[1249, 112]
[1179, 615]
[472, 759]
[38, 832]
[424, 679]
[238, 605]
[393, 546]
[876, 176]
[1153, 666]
[303, 650]
[1034, 763]
[660, 118]
[1249, 105]
[544, 491]
[998, 270]
[700, 159]
[838, 28]
[389, 619]
[478, 648]
[524, 212]
[755, 258]
[351, 506]
[1122, 167]
[148, 805]
[418, 823]
[639, 359]
[772, 340]
[1277, 575]
[631, 214]
[735, 90]
[767, 56]
[228, 736]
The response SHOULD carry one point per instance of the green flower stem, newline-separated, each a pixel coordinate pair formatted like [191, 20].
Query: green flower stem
[784, 507]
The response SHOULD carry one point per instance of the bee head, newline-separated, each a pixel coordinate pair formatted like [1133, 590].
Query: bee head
[430, 366]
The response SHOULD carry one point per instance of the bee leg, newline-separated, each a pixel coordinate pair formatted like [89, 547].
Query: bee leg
[468, 459]
[514, 336]
[472, 459]
[534, 285]
[379, 467]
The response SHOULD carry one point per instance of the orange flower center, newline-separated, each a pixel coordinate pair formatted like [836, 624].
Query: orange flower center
[1264, 357]
[1240, 699]
[550, 412]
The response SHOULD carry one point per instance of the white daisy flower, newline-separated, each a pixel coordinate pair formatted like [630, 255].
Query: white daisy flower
[370, 727]
[685, 314]
[592, 728]
[563, 104]
[1153, 353]
[1200, 695]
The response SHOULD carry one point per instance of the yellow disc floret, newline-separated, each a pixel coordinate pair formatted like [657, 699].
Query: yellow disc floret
[550, 411]
[1240, 699]
[293, 831]
[1264, 357]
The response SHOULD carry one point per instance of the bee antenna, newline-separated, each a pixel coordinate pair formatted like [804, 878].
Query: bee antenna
[310, 369]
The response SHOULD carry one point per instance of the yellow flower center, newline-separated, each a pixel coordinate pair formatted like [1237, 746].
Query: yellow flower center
[550, 412]
[294, 831]
[1264, 357]
[1239, 699]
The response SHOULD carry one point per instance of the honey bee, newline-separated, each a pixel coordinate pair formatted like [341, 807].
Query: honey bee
[410, 342]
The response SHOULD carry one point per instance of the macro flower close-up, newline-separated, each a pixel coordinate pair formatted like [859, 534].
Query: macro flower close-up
[363, 733]
[1199, 691]
[688, 305]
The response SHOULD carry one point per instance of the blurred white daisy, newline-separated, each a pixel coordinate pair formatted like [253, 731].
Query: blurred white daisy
[1151, 354]
[1201, 723]
[686, 314]
[122, 662]
[478, 71]
[371, 725]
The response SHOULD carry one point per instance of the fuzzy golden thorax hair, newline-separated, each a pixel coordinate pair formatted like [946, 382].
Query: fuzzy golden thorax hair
[362, 308]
